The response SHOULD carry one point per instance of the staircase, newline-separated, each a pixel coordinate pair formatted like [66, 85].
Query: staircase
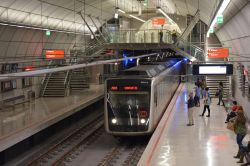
[55, 85]
[79, 79]
[213, 84]
[191, 25]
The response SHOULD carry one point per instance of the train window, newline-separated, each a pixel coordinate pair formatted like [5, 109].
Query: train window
[125, 104]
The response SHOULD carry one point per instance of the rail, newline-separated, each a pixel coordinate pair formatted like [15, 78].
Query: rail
[141, 36]
[45, 86]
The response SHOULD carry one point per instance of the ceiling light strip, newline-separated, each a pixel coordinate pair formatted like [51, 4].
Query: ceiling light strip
[42, 29]
[220, 12]
[164, 13]
[137, 18]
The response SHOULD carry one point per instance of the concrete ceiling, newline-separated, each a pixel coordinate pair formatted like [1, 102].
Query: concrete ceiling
[62, 14]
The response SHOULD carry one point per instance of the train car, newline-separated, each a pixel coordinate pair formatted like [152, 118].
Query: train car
[136, 99]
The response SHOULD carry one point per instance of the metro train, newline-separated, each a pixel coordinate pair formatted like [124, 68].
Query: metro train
[136, 99]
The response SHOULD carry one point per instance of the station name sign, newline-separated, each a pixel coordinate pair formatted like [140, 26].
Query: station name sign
[218, 53]
[54, 54]
[212, 69]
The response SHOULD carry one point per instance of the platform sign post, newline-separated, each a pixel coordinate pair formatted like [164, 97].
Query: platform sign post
[219, 19]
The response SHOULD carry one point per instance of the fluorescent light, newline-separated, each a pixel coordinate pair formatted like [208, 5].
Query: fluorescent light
[137, 18]
[122, 11]
[165, 14]
[220, 12]
[116, 16]
[40, 28]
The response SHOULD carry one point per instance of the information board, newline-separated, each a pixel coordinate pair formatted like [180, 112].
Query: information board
[218, 53]
[54, 54]
[212, 69]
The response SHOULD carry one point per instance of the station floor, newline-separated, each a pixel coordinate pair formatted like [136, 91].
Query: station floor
[207, 143]
[22, 121]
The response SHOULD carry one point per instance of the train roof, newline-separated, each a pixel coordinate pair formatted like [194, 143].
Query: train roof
[146, 70]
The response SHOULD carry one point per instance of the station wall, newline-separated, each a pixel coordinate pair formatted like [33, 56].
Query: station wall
[235, 34]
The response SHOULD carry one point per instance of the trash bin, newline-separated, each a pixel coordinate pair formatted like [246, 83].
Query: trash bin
[183, 79]
[31, 95]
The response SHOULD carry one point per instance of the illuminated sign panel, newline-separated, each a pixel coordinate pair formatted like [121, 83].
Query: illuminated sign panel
[218, 53]
[54, 54]
[212, 69]
[130, 88]
[158, 21]
[219, 19]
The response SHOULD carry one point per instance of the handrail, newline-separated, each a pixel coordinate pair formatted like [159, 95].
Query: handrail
[50, 62]
[69, 80]
[44, 88]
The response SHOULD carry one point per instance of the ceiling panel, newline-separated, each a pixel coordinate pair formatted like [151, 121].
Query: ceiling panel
[62, 9]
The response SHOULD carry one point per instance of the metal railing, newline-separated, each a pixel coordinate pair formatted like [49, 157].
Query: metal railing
[46, 84]
[191, 49]
[141, 36]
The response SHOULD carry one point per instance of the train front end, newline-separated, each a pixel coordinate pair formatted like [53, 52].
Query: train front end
[127, 106]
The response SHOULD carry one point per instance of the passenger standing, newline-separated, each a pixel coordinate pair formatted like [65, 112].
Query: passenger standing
[161, 36]
[207, 102]
[203, 86]
[240, 131]
[190, 104]
[197, 95]
[232, 114]
[174, 37]
[220, 94]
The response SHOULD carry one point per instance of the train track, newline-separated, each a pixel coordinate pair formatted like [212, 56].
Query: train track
[71, 145]
[124, 154]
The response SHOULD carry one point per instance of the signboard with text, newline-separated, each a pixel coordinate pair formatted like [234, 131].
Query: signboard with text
[158, 21]
[218, 53]
[54, 54]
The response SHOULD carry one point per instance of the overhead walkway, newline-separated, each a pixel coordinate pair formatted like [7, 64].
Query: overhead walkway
[149, 40]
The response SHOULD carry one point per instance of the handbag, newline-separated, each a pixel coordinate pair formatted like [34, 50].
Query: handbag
[230, 125]
[217, 93]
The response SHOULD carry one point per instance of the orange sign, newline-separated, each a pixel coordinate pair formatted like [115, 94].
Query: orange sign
[218, 53]
[54, 54]
[158, 21]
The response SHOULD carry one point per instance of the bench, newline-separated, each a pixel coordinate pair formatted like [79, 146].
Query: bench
[10, 102]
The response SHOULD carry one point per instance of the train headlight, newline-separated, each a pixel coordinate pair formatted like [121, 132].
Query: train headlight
[114, 121]
[143, 121]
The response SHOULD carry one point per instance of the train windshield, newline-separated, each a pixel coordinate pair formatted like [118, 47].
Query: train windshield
[129, 108]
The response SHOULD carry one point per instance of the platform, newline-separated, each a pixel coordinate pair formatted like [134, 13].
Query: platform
[207, 143]
[22, 121]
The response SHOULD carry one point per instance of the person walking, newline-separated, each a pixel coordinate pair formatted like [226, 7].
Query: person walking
[190, 105]
[207, 102]
[220, 94]
[240, 131]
